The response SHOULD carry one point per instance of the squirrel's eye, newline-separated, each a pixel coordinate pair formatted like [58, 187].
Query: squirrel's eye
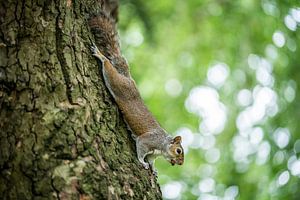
[178, 151]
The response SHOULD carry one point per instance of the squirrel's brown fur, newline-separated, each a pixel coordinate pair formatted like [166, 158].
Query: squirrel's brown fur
[152, 140]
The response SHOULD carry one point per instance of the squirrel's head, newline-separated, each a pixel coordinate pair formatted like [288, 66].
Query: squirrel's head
[175, 152]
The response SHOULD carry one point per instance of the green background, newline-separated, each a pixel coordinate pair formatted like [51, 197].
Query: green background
[225, 76]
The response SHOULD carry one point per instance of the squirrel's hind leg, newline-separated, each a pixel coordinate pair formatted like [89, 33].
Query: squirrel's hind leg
[97, 53]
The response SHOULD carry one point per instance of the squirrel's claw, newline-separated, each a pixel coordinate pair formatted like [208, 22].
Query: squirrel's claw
[145, 165]
[97, 53]
[94, 49]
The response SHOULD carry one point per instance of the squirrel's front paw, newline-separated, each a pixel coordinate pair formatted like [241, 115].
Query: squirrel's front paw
[97, 53]
[145, 165]
[94, 49]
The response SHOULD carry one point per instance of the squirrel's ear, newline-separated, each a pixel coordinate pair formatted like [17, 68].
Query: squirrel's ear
[177, 140]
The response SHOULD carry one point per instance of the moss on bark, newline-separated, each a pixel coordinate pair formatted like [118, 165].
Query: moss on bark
[62, 136]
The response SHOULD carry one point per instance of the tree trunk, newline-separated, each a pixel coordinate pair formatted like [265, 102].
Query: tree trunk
[62, 136]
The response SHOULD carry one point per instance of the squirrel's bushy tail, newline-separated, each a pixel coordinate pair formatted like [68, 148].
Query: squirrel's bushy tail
[106, 36]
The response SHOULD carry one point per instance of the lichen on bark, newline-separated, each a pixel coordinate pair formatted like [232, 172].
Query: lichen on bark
[61, 134]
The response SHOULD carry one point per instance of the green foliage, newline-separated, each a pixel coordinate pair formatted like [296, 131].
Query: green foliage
[225, 76]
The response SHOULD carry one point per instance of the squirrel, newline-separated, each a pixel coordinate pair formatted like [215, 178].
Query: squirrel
[151, 139]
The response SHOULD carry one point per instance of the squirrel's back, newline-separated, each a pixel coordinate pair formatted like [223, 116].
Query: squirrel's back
[120, 84]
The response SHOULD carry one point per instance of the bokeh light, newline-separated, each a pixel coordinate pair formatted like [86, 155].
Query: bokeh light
[224, 76]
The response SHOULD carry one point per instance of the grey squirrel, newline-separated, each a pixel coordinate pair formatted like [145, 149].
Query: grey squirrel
[151, 139]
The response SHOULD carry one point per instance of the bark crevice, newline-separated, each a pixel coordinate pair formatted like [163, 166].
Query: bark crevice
[60, 53]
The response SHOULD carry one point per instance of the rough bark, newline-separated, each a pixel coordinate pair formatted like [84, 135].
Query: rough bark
[61, 134]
